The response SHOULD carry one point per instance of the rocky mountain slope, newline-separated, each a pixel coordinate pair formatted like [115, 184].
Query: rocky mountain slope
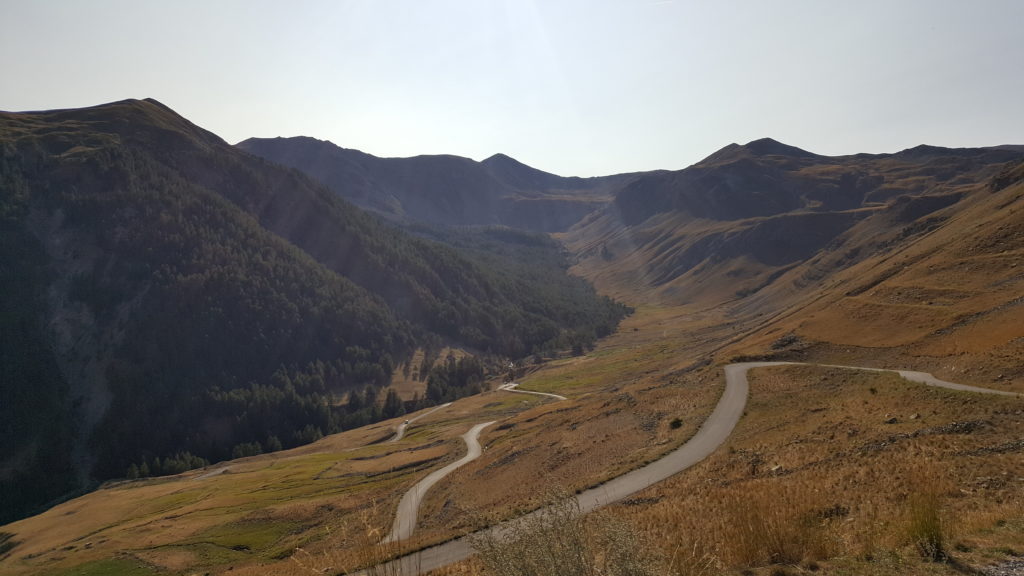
[447, 190]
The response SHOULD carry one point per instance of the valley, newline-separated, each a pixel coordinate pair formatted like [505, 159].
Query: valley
[251, 540]
[826, 274]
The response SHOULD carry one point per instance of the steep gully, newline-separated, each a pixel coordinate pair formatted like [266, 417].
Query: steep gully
[709, 437]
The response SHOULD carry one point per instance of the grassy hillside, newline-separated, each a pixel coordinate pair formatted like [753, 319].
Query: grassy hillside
[733, 224]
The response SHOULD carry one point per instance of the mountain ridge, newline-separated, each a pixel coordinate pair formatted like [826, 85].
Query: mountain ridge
[444, 189]
[680, 226]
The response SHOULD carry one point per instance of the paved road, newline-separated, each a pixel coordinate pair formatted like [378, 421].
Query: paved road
[400, 431]
[511, 387]
[212, 473]
[409, 506]
[712, 434]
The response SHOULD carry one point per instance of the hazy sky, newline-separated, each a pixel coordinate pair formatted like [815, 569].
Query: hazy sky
[571, 87]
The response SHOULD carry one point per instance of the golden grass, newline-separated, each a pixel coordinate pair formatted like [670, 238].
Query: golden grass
[813, 476]
[559, 540]
[569, 445]
[254, 511]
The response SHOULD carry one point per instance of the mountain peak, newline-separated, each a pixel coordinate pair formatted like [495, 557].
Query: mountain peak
[134, 121]
[518, 175]
[759, 147]
[768, 146]
[499, 157]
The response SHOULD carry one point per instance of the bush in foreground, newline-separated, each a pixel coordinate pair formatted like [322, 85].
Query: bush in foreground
[560, 540]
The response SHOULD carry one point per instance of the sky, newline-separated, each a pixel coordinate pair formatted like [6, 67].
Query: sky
[571, 87]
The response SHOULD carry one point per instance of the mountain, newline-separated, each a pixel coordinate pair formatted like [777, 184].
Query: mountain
[171, 299]
[448, 190]
[909, 259]
[734, 222]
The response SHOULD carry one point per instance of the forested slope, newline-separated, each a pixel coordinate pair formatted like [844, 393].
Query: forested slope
[169, 298]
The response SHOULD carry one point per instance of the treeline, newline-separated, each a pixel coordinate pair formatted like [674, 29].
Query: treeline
[548, 309]
[454, 379]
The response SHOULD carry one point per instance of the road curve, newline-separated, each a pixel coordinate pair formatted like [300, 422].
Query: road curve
[511, 387]
[409, 506]
[400, 430]
[715, 430]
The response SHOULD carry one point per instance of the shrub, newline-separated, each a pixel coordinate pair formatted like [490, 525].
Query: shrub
[559, 540]
[767, 525]
[924, 526]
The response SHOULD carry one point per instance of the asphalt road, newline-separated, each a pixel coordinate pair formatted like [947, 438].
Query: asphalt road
[400, 430]
[715, 430]
[409, 506]
[511, 387]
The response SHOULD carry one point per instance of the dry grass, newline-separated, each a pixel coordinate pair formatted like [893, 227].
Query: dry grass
[313, 503]
[559, 540]
[572, 445]
[360, 550]
[925, 527]
[814, 477]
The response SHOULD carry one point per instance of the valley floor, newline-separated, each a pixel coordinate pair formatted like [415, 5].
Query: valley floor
[829, 458]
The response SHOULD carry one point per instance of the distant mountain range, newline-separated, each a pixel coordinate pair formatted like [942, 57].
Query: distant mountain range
[448, 190]
[728, 226]
[908, 255]
[732, 224]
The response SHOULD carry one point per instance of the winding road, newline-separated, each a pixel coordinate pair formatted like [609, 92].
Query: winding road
[400, 430]
[511, 387]
[409, 505]
[715, 430]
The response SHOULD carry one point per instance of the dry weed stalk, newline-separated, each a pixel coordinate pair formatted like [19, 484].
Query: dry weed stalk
[924, 526]
[559, 540]
[767, 525]
[364, 554]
